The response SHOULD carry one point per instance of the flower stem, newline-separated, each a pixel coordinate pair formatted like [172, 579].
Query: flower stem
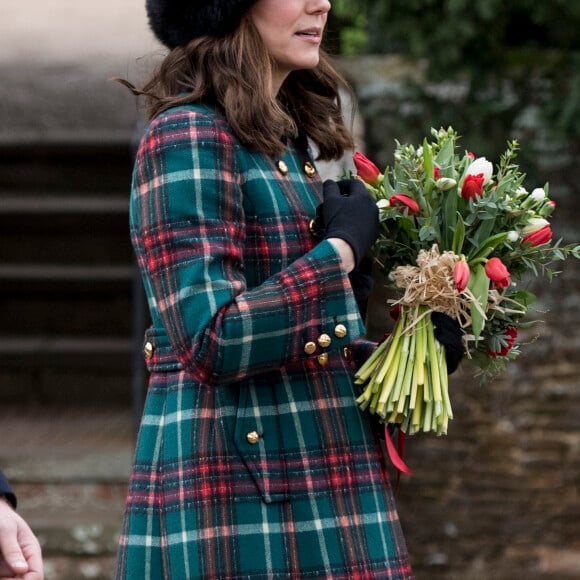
[406, 377]
[371, 363]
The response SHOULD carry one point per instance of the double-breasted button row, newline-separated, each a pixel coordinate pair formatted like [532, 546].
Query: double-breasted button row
[308, 168]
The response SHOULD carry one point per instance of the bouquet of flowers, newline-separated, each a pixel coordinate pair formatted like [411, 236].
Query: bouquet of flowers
[457, 237]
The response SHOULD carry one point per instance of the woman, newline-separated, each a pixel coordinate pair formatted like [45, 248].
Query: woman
[253, 460]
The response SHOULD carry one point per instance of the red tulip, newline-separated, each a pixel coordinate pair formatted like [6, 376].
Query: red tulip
[436, 173]
[511, 333]
[366, 169]
[461, 275]
[497, 272]
[406, 201]
[472, 186]
[539, 237]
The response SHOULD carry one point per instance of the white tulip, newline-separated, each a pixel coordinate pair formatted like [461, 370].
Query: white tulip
[481, 165]
[534, 224]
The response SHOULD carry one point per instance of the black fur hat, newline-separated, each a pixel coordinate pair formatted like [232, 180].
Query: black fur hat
[177, 22]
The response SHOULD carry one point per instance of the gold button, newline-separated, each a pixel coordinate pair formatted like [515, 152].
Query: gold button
[347, 354]
[314, 229]
[252, 437]
[282, 167]
[309, 169]
[310, 348]
[324, 340]
[340, 331]
[323, 359]
[148, 350]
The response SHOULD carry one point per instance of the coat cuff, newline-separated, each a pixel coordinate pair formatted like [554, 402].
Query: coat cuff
[6, 491]
[331, 318]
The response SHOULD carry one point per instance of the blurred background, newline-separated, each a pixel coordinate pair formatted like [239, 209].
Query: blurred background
[498, 497]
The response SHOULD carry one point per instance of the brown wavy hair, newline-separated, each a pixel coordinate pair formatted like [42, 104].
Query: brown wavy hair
[235, 71]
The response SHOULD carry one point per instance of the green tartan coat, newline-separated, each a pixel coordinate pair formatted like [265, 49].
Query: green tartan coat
[253, 459]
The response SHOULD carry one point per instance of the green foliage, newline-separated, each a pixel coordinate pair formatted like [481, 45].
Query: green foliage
[437, 197]
[347, 28]
[476, 41]
[457, 33]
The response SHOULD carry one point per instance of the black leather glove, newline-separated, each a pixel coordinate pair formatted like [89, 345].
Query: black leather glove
[362, 284]
[448, 332]
[349, 213]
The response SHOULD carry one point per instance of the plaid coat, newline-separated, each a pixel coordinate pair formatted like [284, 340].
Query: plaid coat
[253, 460]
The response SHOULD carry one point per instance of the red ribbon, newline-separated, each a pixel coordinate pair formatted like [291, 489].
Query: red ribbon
[396, 456]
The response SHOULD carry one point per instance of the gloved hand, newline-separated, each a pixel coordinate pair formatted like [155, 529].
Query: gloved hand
[449, 334]
[349, 213]
[362, 284]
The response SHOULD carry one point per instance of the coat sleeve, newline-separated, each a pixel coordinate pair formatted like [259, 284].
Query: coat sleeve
[187, 225]
[6, 490]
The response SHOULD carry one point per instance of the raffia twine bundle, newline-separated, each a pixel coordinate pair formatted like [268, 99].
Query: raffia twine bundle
[430, 283]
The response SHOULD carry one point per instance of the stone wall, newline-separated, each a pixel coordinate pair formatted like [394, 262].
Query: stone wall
[56, 62]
